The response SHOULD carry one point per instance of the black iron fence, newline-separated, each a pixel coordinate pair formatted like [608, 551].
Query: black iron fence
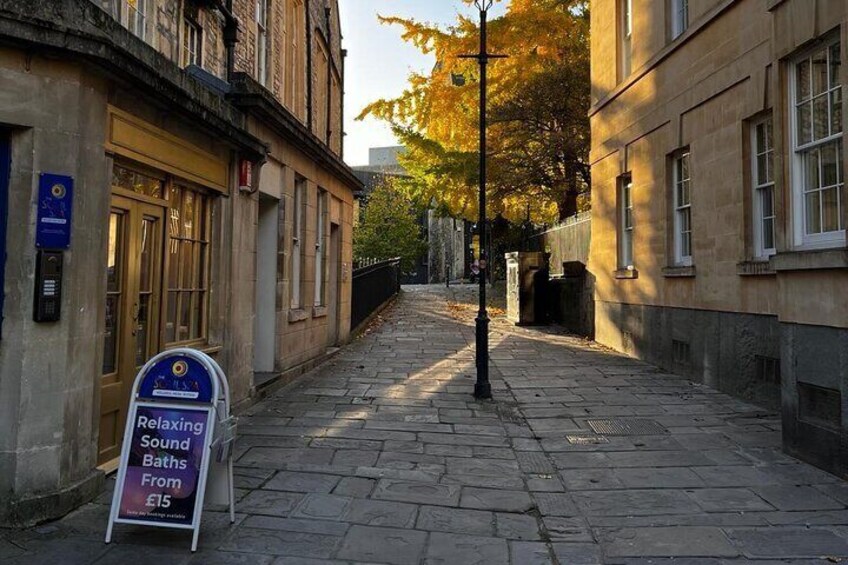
[373, 285]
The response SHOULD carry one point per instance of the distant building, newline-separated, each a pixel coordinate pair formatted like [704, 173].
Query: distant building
[718, 201]
[448, 238]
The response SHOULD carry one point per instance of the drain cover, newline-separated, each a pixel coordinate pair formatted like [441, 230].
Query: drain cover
[618, 427]
[586, 440]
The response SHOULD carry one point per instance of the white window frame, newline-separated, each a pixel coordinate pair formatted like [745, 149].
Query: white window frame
[192, 43]
[297, 244]
[801, 239]
[132, 14]
[262, 41]
[682, 210]
[625, 221]
[679, 17]
[762, 183]
[320, 255]
[625, 26]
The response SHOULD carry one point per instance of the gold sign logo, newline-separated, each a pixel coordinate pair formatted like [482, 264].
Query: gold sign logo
[180, 368]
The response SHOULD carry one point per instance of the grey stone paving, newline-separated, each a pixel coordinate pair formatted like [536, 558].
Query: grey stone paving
[382, 456]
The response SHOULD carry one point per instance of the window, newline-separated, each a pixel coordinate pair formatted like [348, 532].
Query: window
[625, 222]
[295, 60]
[297, 242]
[192, 43]
[626, 35]
[136, 17]
[262, 41]
[682, 210]
[762, 175]
[679, 17]
[189, 228]
[320, 228]
[320, 96]
[818, 178]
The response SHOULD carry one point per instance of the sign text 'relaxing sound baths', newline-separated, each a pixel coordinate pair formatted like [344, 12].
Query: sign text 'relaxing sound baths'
[164, 464]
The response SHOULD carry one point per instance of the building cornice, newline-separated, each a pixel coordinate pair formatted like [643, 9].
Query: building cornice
[256, 100]
[82, 29]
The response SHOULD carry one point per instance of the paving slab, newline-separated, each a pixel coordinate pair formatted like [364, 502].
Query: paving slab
[456, 520]
[383, 545]
[668, 542]
[445, 549]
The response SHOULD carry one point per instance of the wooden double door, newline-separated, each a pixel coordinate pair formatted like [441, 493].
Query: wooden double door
[133, 304]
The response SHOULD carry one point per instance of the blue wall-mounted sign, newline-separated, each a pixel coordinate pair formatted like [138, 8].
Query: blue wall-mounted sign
[55, 203]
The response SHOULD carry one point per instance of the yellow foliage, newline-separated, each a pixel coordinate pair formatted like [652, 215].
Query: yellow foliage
[437, 115]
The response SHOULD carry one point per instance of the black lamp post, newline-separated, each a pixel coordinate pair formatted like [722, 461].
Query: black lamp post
[483, 388]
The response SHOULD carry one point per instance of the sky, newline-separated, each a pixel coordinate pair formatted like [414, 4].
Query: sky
[379, 62]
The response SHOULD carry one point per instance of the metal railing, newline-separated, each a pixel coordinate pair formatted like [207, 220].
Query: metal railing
[373, 286]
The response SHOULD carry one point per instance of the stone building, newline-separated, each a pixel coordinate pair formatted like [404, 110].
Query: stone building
[719, 209]
[202, 139]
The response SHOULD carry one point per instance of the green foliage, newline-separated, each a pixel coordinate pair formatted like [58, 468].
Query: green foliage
[389, 228]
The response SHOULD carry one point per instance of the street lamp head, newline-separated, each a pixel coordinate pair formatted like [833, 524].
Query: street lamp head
[484, 5]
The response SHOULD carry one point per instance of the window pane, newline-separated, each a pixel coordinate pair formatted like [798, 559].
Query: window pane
[175, 215]
[829, 157]
[188, 214]
[762, 169]
[185, 317]
[171, 318]
[836, 112]
[805, 126]
[770, 166]
[819, 72]
[196, 315]
[186, 264]
[761, 137]
[813, 213]
[768, 233]
[802, 80]
[139, 183]
[811, 160]
[821, 123]
[835, 65]
[830, 210]
[110, 339]
[767, 201]
[113, 264]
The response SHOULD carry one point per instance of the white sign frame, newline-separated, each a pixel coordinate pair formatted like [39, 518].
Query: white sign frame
[220, 399]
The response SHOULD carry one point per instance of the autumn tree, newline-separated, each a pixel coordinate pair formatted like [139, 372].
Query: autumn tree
[539, 102]
[388, 228]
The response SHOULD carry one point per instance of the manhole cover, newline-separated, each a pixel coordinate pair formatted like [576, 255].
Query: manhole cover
[586, 440]
[618, 427]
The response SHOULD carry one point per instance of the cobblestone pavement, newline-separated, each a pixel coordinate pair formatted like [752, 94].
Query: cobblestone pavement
[382, 456]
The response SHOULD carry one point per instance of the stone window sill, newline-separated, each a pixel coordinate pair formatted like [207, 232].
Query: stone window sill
[626, 274]
[681, 272]
[754, 268]
[810, 260]
[319, 312]
[298, 315]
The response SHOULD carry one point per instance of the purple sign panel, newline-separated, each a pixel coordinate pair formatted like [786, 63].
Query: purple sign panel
[164, 465]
